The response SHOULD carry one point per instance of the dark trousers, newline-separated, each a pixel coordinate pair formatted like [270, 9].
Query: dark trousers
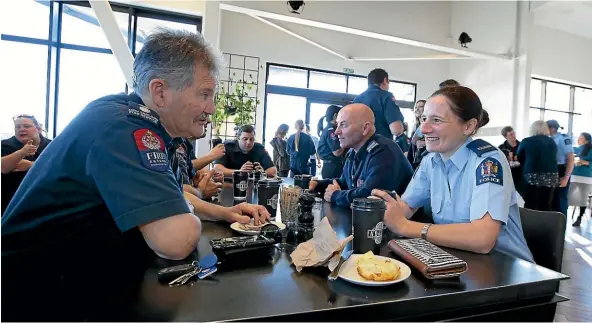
[331, 170]
[560, 197]
[303, 170]
[538, 197]
[283, 173]
[313, 167]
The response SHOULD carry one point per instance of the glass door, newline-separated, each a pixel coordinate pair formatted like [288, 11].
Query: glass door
[282, 109]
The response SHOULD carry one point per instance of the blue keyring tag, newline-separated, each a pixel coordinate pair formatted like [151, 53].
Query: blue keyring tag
[206, 272]
[208, 261]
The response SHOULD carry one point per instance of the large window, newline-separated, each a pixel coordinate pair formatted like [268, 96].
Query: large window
[302, 93]
[59, 59]
[570, 105]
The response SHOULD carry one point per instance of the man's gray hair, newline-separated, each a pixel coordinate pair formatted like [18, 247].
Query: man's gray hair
[172, 55]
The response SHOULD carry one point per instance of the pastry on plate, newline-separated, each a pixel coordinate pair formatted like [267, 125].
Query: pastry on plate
[377, 269]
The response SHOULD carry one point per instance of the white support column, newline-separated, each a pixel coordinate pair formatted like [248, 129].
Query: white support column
[211, 32]
[522, 70]
[119, 46]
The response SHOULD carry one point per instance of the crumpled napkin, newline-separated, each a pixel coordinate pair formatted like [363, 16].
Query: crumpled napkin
[324, 249]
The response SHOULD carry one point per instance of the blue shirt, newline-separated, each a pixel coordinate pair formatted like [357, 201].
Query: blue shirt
[300, 158]
[467, 186]
[563, 147]
[537, 154]
[328, 143]
[584, 170]
[382, 103]
[380, 163]
[103, 176]
[315, 141]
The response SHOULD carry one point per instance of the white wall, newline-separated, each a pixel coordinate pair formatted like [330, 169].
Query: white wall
[561, 55]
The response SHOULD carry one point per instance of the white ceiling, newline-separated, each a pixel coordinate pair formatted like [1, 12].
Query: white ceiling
[574, 17]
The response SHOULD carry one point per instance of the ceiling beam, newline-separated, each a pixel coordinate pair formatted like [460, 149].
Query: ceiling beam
[364, 33]
[298, 36]
[414, 58]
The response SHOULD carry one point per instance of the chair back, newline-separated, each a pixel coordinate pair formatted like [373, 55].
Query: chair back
[545, 235]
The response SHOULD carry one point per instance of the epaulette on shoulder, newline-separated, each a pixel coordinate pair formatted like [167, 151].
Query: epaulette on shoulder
[372, 145]
[480, 147]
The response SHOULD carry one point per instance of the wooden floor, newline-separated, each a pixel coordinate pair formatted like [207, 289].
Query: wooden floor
[577, 263]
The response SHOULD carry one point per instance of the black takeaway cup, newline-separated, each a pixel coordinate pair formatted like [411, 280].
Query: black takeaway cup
[268, 194]
[368, 227]
[302, 181]
[240, 183]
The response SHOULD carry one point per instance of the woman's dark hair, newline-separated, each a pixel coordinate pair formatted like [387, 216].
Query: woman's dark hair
[331, 111]
[587, 146]
[449, 82]
[465, 104]
[283, 128]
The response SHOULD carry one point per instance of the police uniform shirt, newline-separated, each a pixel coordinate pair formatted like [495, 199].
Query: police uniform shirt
[235, 158]
[564, 147]
[475, 180]
[403, 141]
[380, 164]
[382, 103]
[328, 143]
[299, 159]
[12, 180]
[102, 177]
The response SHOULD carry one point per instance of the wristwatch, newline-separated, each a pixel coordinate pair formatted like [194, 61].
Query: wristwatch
[424, 231]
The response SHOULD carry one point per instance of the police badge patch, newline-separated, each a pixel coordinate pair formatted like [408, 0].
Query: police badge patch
[490, 171]
[151, 149]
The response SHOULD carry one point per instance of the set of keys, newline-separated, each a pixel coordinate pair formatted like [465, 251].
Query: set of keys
[184, 273]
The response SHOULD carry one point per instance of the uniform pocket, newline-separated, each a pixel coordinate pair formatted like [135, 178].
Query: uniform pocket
[436, 204]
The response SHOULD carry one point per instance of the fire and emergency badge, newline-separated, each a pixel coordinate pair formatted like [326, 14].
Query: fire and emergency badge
[151, 149]
[490, 171]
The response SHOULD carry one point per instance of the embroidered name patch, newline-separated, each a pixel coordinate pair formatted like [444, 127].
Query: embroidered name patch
[142, 112]
[151, 149]
[490, 171]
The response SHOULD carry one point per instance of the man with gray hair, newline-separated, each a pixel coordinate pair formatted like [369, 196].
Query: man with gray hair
[102, 196]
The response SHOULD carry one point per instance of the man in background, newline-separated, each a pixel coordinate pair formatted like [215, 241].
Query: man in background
[565, 165]
[244, 154]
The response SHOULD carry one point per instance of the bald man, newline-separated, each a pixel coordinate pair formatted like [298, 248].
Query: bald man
[373, 161]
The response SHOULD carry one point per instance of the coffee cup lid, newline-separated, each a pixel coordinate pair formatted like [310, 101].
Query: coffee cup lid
[368, 203]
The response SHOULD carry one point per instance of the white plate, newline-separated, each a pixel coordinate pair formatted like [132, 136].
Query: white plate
[349, 272]
[236, 227]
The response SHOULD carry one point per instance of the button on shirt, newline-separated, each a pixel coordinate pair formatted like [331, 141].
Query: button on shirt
[564, 147]
[465, 187]
[382, 103]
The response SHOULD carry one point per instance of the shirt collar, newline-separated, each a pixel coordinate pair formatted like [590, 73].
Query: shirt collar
[460, 156]
[361, 154]
[134, 97]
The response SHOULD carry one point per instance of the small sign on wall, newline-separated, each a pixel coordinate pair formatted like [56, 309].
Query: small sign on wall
[348, 70]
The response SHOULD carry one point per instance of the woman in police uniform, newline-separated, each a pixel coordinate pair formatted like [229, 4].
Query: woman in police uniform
[300, 146]
[329, 150]
[467, 182]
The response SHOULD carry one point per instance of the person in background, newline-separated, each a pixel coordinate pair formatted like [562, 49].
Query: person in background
[565, 162]
[315, 160]
[19, 153]
[581, 178]
[448, 83]
[281, 159]
[417, 145]
[403, 140]
[388, 116]
[329, 149]
[300, 147]
[466, 181]
[373, 161]
[243, 153]
[537, 155]
[511, 144]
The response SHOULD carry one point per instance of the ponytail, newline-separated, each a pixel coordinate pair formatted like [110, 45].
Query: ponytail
[299, 128]
[320, 126]
[331, 111]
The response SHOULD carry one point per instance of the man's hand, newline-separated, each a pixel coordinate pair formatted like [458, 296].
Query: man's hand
[217, 152]
[28, 149]
[563, 181]
[330, 189]
[420, 143]
[394, 216]
[243, 213]
[218, 177]
[206, 186]
[247, 167]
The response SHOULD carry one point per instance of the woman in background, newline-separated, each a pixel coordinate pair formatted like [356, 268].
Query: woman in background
[300, 147]
[417, 144]
[581, 177]
[19, 153]
[537, 155]
[281, 159]
[330, 150]
[315, 160]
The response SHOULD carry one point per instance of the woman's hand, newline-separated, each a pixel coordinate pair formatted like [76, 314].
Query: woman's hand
[28, 149]
[394, 216]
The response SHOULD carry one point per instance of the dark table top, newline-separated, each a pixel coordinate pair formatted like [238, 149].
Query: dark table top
[275, 291]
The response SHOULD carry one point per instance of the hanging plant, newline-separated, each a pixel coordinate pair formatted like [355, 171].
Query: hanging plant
[237, 103]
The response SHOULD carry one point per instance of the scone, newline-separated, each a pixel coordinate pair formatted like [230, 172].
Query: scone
[377, 269]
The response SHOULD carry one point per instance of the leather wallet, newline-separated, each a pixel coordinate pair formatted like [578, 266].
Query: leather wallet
[430, 260]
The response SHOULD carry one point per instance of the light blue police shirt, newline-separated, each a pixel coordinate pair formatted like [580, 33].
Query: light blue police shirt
[564, 147]
[467, 186]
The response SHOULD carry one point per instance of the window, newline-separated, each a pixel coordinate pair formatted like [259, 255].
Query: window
[583, 105]
[357, 85]
[282, 109]
[287, 76]
[402, 91]
[327, 82]
[535, 93]
[557, 97]
[147, 26]
[81, 57]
